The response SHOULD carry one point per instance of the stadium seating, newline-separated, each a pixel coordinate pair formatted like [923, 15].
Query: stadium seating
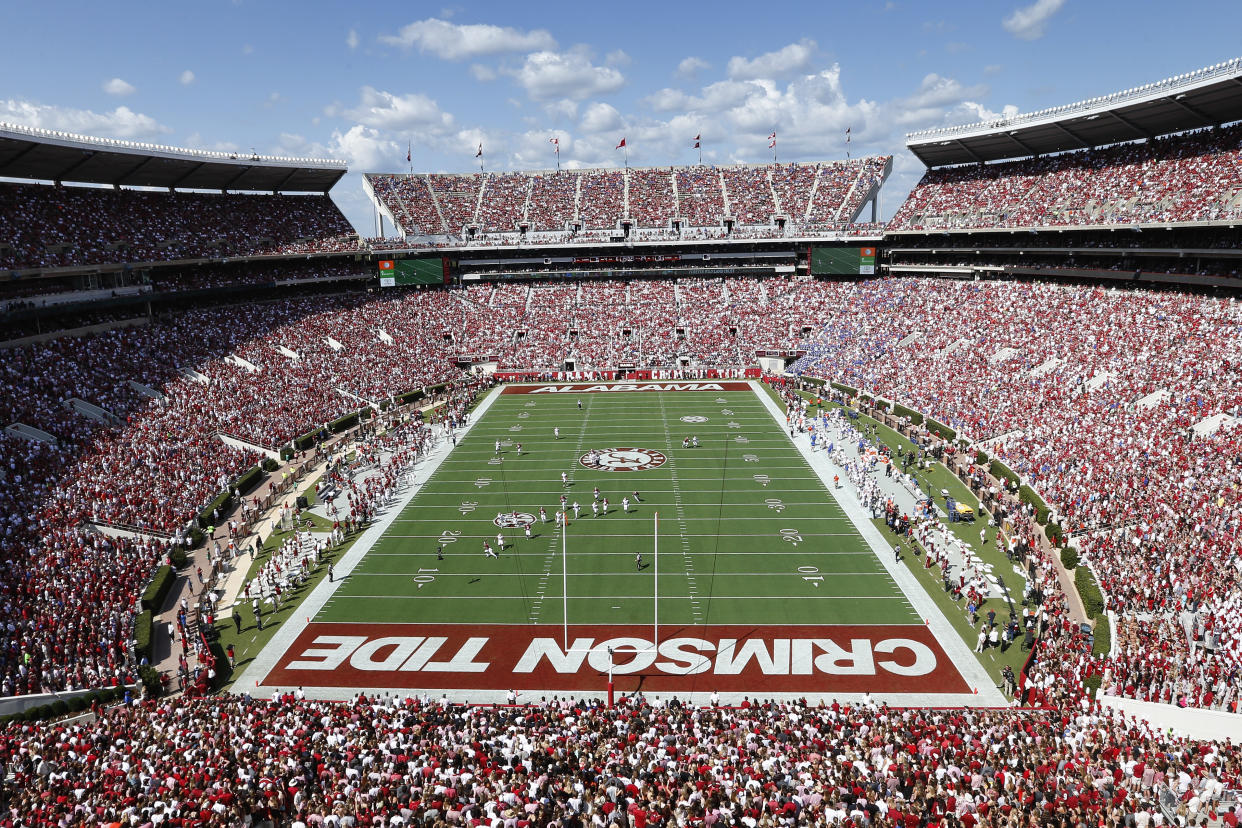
[1184, 178]
[816, 197]
[1065, 384]
[378, 760]
[44, 226]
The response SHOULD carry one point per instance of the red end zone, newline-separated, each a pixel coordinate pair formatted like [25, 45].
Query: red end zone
[728, 658]
[595, 388]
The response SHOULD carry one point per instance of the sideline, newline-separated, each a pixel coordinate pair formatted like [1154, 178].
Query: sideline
[251, 680]
[963, 659]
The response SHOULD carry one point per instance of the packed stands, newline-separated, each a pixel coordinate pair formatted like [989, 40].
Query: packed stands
[457, 197]
[1182, 178]
[379, 760]
[504, 201]
[818, 197]
[45, 226]
[652, 203]
[1065, 383]
[749, 191]
[1070, 408]
[601, 201]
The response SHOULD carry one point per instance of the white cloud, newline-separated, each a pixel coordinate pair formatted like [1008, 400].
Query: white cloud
[384, 110]
[564, 108]
[571, 74]
[118, 87]
[617, 58]
[795, 57]
[351, 39]
[691, 66]
[600, 117]
[121, 122]
[714, 97]
[452, 41]
[186, 78]
[1029, 22]
[482, 73]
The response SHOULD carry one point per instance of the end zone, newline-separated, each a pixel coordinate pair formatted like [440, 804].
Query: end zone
[738, 659]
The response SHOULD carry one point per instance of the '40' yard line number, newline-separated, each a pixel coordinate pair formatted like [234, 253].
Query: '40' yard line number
[808, 574]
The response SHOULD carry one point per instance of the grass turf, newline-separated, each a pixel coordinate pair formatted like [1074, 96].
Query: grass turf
[732, 548]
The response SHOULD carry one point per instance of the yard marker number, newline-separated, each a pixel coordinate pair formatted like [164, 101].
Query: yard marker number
[791, 536]
[808, 574]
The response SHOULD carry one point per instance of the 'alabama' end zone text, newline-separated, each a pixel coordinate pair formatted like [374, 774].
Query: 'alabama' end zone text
[728, 658]
[597, 388]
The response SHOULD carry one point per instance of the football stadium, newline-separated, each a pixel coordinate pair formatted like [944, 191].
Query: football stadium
[648, 491]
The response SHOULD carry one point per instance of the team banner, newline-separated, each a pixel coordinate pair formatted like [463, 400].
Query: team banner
[742, 658]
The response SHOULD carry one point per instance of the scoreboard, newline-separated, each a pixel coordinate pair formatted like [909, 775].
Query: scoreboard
[395, 273]
[842, 261]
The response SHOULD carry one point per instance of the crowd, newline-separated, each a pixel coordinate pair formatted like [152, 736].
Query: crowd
[46, 226]
[382, 760]
[575, 204]
[1182, 178]
[1090, 394]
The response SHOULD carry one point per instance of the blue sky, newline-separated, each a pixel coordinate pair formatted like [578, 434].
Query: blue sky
[363, 81]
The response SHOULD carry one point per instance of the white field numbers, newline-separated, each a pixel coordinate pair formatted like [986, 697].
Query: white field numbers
[808, 573]
[423, 579]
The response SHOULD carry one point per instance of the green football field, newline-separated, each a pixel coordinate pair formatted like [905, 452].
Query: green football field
[747, 533]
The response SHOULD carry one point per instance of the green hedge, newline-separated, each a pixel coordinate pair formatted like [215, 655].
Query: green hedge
[914, 416]
[1028, 495]
[882, 405]
[940, 429]
[1092, 683]
[853, 392]
[249, 480]
[270, 465]
[1069, 558]
[155, 593]
[179, 558]
[62, 707]
[981, 458]
[221, 502]
[349, 420]
[1089, 592]
[1000, 470]
[1103, 637]
[144, 634]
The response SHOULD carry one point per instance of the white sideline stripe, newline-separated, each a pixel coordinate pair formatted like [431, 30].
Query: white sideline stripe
[267, 658]
[954, 647]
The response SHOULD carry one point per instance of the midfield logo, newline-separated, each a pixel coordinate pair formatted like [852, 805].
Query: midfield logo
[623, 459]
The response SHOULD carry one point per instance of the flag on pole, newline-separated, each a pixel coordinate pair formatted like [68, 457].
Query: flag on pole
[556, 142]
[621, 145]
[697, 141]
[479, 154]
[847, 142]
[772, 141]
[408, 150]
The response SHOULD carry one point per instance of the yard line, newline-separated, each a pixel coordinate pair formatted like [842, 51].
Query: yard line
[834, 596]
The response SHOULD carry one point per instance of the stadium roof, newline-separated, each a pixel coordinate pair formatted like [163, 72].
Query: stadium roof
[1204, 98]
[41, 154]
